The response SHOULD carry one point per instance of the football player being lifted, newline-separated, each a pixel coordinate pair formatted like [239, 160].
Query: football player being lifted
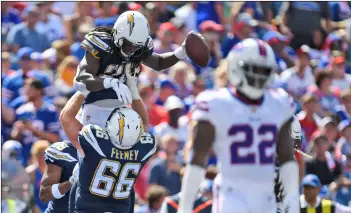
[246, 125]
[109, 53]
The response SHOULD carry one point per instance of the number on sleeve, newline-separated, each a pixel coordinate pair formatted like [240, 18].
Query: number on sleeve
[102, 185]
[248, 139]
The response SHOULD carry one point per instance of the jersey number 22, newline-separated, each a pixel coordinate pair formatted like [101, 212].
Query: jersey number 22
[250, 157]
[122, 186]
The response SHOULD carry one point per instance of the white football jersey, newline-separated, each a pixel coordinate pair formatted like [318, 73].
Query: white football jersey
[245, 135]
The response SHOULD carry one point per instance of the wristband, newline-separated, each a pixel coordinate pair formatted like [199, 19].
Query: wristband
[180, 53]
[107, 83]
[56, 192]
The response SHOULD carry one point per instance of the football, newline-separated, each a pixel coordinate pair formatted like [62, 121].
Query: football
[197, 50]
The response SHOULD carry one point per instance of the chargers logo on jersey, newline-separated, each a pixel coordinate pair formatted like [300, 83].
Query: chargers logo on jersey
[131, 23]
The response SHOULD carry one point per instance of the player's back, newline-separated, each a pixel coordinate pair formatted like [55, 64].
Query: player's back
[245, 136]
[107, 174]
[64, 155]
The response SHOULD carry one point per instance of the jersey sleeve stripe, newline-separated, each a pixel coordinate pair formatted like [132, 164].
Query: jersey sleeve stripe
[98, 42]
[58, 155]
[150, 153]
[89, 137]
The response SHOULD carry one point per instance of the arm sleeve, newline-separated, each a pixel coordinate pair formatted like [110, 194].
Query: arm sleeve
[56, 154]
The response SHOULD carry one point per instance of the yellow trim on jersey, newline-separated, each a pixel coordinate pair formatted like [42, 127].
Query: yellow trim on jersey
[141, 129]
[95, 41]
[326, 206]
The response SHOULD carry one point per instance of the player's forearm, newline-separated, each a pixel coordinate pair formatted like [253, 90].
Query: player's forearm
[70, 124]
[89, 82]
[139, 107]
[46, 195]
[161, 62]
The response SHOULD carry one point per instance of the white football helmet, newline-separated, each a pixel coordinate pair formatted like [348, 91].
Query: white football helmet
[124, 127]
[295, 133]
[131, 32]
[251, 67]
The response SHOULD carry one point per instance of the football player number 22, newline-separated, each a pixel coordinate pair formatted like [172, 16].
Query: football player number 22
[270, 131]
[103, 185]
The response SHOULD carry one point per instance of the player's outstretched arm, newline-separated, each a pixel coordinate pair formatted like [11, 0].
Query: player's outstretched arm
[203, 138]
[48, 188]
[289, 171]
[137, 103]
[68, 120]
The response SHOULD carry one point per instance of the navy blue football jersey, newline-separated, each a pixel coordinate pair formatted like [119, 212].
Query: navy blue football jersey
[64, 155]
[107, 174]
[101, 46]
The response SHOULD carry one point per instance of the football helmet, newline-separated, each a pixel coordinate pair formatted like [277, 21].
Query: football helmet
[131, 34]
[124, 126]
[295, 133]
[251, 67]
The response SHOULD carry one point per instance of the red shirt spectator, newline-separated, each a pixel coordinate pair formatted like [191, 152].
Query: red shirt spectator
[307, 117]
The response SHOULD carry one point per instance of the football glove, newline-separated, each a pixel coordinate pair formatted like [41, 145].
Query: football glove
[131, 81]
[122, 91]
[75, 174]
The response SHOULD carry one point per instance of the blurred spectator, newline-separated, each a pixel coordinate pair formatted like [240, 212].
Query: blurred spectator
[296, 79]
[242, 28]
[157, 114]
[25, 35]
[212, 32]
[166, 89]
[318, 37]
[36, 170]
[310, 199]
[213, 11]
[141, 184]
[293, 14]
[341, 79]
[83, 14]
[49, 23]
[12, 150]
[165, 38]
[164, 11]
[328, 127]
[340, 10]
[66, 72]
[220, 75]
[328, 96]
[344, 110]
[175, 108]
[324, 165]
[106, 15]
[35, 119]
[278, 42]
[187, 14]
[155, 197]
[9, 17]
[165, 172]
[5, 65]
[308, 117]
[181, 74]
[344, 143]
[76, 48]
[197, 86]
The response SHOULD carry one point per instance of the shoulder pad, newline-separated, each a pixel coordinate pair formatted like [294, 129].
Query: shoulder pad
[58, 152]
[92, 134]
[97, 43]
[147, 138]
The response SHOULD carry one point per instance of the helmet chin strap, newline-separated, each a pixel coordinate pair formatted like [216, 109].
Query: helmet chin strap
[251, 93]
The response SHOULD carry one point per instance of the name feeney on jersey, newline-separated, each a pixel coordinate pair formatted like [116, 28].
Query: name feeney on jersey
[245, 135]
[101, 46]
[107, 174]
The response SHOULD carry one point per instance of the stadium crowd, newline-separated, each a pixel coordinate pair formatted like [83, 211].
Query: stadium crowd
[312, 43]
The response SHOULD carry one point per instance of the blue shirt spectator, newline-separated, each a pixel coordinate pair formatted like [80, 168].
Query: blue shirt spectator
[340, 11]
[25, 35]
[9, 17]
[208, 11]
